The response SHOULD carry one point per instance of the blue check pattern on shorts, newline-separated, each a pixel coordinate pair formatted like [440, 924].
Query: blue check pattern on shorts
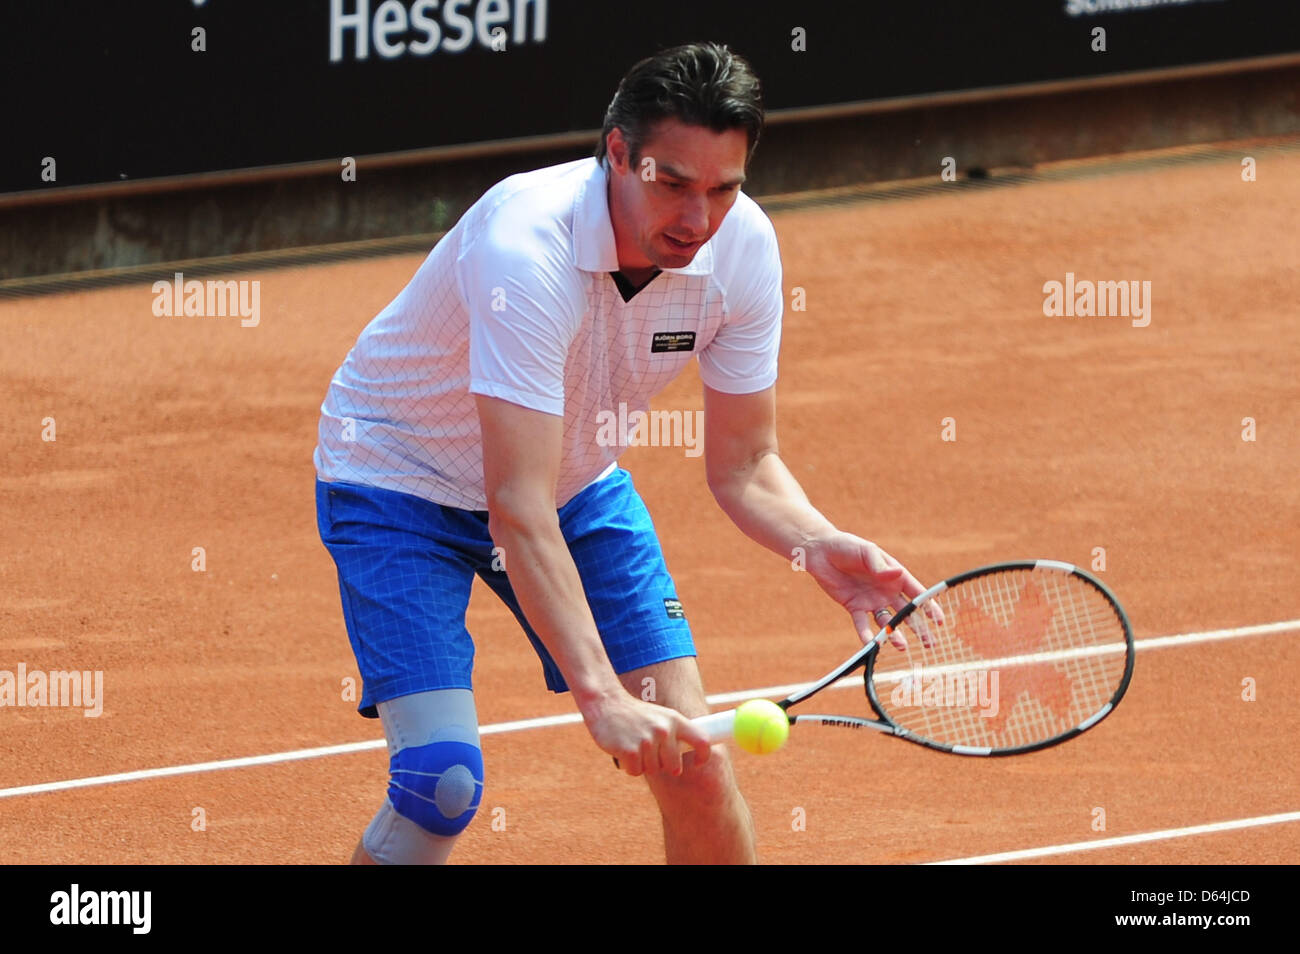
[406, 565]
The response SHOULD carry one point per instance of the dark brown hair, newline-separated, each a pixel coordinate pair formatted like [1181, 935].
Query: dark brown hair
[700, 84]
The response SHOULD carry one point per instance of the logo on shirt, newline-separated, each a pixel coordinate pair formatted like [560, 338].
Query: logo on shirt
[663, 341]
[674, 609]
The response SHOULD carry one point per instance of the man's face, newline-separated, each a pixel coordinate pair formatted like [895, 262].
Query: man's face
[670, 200]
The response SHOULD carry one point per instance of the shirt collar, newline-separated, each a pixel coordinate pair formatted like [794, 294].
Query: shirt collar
[593, 233]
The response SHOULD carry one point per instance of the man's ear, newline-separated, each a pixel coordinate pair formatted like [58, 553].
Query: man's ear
[616, 148]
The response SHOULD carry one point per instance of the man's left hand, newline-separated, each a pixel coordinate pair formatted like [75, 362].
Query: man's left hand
[866, 581]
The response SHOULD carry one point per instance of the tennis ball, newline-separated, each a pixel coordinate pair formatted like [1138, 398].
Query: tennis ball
[761, 726]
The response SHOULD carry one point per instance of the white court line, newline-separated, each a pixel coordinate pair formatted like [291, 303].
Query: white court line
[1155, 642]
[1124, 840]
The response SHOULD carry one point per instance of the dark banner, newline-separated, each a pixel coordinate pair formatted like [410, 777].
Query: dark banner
[114, 90]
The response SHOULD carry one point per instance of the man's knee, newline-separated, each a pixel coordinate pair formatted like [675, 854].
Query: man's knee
[700, 784]
[433, 792]
[435, 777]
[438, 786]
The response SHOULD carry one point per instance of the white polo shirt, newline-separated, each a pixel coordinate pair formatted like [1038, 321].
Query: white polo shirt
[517, 302]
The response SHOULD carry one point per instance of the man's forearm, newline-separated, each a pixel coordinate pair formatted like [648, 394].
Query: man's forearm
[768, 505]
[546, 583]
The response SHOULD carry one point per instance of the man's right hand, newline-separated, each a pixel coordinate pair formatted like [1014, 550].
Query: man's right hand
[644, 738]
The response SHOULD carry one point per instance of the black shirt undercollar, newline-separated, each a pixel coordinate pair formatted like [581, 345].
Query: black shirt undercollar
[626, 288]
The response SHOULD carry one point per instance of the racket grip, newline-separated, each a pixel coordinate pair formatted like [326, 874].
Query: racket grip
[718, 726]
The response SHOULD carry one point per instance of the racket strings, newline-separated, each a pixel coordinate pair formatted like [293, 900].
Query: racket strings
[1023, 655]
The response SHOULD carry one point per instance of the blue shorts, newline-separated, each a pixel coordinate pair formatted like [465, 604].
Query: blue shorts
[406, 565]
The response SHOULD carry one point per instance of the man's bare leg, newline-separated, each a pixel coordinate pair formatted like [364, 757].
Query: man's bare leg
[705, 818]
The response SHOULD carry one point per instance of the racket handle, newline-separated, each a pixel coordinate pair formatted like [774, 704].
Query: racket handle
[718, 726]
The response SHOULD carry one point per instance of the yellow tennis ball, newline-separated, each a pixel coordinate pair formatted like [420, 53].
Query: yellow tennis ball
[761, 726]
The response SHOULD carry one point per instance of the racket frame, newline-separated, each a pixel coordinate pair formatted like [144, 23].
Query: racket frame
[866, 657]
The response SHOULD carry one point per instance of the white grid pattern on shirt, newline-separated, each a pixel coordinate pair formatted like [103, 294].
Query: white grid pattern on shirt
[404, 388]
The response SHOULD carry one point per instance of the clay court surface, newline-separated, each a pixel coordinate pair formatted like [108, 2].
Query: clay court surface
[1072, 434]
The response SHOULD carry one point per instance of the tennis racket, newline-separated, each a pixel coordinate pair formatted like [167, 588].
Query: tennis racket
[1027, 655]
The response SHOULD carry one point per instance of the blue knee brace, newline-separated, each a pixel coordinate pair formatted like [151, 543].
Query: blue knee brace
[438, 786]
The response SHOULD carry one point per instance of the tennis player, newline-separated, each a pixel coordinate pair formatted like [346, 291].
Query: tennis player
[461, 437]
